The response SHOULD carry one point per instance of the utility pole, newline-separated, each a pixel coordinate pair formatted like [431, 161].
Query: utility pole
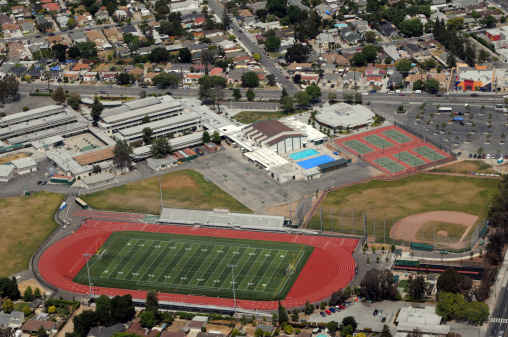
[88, 256]
[289, 196]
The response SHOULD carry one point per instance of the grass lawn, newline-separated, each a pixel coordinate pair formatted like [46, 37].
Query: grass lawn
[454, 230]
[394, 200]
[466, 167]
[27, 221]
[19, 306]
[180, 189]
[199, 265]
[8, 159]
[248, 117]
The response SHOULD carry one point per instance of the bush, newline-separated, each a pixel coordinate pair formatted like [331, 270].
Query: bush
[25, 108]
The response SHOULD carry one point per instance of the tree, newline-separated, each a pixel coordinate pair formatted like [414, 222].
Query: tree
[332, 96]
[216, 138]
[237, 94]
[226, 20]
[256, 57]
[59, 51]
[250, 79]
[378, 285]
[160, 149]
[332, 326]
[297, 53]
[73, 100]
[166, 80]
[41, 332]
[250, 94]
[313, 91]
[451, 61]
[370, 36]
[275, 319]
[26, 311]
[455, 23]
[385, 332]
[358, 98]
[122, 308]
[277, 7]
[417, 288]
[272, 80]
[432, 85]
[185, 55]
[483, 56]
[158, 55]
[147, 319]
[449, 281]
[27, 295]
[349, 320]
[122, 154]
[403, 65]
[147, 135]
[146, 120]
[370, 53]
[142, 94]
[286, 103]
[71, 22]
[488, 21]
[410, 28]
[283, 316]
[302, 98]
[59, 95]
[103, 310]
[272, 43]
[8, 306]
[308, 308]
[418, 85]
[84, 321]
[206, 137]
[337, 297]
[125, 78]
[359, 59]
[37, 293]
[97, 108]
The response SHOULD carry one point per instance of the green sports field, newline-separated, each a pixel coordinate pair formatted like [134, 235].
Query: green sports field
[196, 265]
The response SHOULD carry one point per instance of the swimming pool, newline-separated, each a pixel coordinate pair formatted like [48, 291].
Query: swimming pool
[313, 162]
[303, 154]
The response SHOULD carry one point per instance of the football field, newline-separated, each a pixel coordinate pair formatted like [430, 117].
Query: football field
[196, 265]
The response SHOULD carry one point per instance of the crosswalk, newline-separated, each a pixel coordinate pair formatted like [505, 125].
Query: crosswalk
[499, 320]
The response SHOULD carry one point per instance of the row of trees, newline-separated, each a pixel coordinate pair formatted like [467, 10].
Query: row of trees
[8, 89]
[498, 219]
[311, 94]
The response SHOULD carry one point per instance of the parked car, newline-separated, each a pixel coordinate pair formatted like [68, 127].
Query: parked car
[439, 95]
[39, 182]
[368, 103]
[375, 312]
[332, 309]
[380, 313]
[383, 319]
[342, 307]
[44, 182]
[402, 95]
[328, 312]
[474, 95]
[470, 155]
[322, 313]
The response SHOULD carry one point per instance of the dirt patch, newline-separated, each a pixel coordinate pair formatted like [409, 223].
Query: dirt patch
[9, 158]
[33, 284]
[69, 326]
[283, 209]
[442, 233]
[182, 182]
[409, 228]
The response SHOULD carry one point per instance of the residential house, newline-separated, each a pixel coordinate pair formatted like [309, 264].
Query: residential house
[324, 41]
[4, 19]
[309, 78]
[27, 28]
[188, 5]
[17, 49]
[102, 14]
[56, 39]
[33, 325]
[217, 72]
[42, 21]
[413, 50]
[72, 75]
[301, 67]
[19, 72]
[36, 73]
[51, 7]
[395, 80]
[154, 25]
[330, 78]
[81, 67]
[130, 29]
[121, 14]
[137, 72]
[192, 78]
[17, 9]
[323, 10]
[388, 30]
[352, 78]
[10, 29]
[12, 320]
[55, 73]
[214, 33]
[329, 68]
[411, 79]
[442, 79]
[120, 50]
[235, 76]
[245, 13]
[108, 76]
[149, 77]
[62, 20]
[107, 331]
[5, 69]
[90, 76]
[350, 37]
[83, 20]
[77, 37]
[113, 35]
[99, 39]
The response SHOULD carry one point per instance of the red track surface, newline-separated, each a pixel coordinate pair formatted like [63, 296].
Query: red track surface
[391, 150]
[330, 267]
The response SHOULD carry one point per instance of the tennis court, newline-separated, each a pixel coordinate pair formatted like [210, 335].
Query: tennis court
[377, 141]
[409, 158]
[313, 162]
[358, 146]
[389, 164]
[397, 136]
[428, 153]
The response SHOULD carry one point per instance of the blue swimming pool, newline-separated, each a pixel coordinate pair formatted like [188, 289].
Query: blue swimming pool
[303, 154]
[313, 162]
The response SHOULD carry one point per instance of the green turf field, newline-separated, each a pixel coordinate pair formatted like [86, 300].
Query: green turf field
[196, 265]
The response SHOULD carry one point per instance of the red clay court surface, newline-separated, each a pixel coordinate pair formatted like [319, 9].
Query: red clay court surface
[330, 267]
[393, 150]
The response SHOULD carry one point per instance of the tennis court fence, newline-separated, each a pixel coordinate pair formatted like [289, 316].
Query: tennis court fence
[394, 232]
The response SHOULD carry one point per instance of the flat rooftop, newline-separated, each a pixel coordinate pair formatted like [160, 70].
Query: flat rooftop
[141, 112]
[345, 115]
[95, 156]
[160, 124]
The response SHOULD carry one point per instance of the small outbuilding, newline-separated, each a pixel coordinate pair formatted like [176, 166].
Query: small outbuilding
[161, 164]
[6, 172]
[98, 180]
[211, 147]
[25, 165]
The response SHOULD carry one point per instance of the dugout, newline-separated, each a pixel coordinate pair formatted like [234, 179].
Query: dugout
[333, 165]
[407, 262]
[422, 246]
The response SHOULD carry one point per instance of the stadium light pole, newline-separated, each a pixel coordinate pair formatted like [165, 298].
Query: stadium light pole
[233, 266]
[88, 256]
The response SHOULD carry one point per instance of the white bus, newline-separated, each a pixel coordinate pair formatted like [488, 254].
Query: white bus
[445, 109]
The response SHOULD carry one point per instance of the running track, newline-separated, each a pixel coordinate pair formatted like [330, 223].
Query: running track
[329, 268]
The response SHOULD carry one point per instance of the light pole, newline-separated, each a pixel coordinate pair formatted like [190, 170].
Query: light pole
[160, 189]
[233, 266]
[88, 256]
